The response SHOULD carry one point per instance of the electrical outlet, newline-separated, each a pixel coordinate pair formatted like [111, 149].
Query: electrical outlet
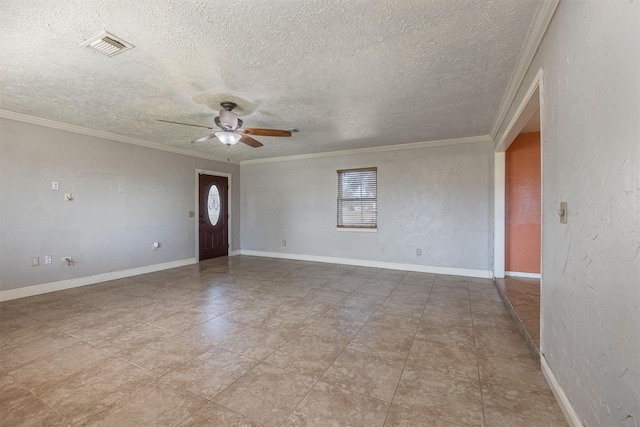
[418, 251]
[35, 261]
[284, 243]
[47, 259]
[192, 214]
[55, 185]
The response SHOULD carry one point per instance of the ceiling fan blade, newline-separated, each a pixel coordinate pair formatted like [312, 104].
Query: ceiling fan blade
[250, 141]
[267, 132]
[186, 124]
[204, 138]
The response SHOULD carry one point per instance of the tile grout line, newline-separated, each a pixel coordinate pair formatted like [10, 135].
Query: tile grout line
[110, 354]
[475, 344]
[342, 351]
[404, 366]
[206, 402]
[267, 356]
[297, 333]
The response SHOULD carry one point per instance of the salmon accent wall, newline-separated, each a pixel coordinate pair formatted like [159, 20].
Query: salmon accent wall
[523, 204]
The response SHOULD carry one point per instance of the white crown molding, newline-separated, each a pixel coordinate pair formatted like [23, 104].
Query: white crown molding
[538, 28]
[466, 272]
[44, 288]
[411, 146]
[528, 106]
[114, 137]
[558, 392]
[153, 145]
[106, 135]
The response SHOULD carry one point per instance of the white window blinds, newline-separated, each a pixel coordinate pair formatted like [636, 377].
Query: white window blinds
[358, 198]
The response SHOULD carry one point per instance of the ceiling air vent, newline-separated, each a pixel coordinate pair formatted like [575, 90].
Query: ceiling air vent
[107, 43]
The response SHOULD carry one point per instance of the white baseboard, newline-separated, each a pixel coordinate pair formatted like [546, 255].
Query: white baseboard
[520, 274]
[558, 392]
[90, 280]
[486, 274]
[44, 288]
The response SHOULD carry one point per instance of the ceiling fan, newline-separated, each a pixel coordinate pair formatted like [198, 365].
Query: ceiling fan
[230, 128]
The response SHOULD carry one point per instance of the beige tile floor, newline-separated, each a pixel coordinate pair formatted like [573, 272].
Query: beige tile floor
[248, 341]
[523, 300]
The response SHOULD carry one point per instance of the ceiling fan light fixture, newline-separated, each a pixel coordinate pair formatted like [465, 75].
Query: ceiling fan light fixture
[228, 138]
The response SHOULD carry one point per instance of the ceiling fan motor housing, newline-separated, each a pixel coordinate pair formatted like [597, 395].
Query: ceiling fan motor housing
[228, 105]
[231, 128]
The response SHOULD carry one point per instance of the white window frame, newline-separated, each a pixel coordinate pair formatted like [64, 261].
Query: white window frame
[340, 199]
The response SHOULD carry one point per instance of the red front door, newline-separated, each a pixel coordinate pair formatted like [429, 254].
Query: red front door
[213, 216]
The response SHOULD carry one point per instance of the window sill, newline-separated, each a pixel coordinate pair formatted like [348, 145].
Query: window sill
[357, 229]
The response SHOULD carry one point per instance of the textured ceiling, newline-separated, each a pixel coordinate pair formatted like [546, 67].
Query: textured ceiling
[348, 74]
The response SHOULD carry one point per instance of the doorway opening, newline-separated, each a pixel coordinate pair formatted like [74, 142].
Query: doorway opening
[213, 214]
[518, 217]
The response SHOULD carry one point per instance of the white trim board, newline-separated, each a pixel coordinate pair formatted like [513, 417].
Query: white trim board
[562, 399]
[154, 145]
[106, 135]
[29, 291]
[522, 274]
[467, 272]
[530, 103]
[538, 28]
[499, 213]
[411, 146]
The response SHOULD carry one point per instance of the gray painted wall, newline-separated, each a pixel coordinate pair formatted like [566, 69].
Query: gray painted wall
[591, 159]
[438, 199]
[102, 229]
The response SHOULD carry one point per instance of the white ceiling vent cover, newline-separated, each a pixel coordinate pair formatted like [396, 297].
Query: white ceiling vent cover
[107, 43]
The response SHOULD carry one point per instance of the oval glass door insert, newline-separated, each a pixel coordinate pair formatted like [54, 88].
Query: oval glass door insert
[213, 205]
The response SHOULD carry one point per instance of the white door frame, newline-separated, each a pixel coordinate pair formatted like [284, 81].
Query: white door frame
[530, 103]
[197, 208]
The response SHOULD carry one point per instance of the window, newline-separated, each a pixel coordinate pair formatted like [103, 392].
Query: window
[213, 204]
[358, 198]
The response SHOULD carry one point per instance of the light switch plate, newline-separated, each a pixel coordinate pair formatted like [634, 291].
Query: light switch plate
[563, 212]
